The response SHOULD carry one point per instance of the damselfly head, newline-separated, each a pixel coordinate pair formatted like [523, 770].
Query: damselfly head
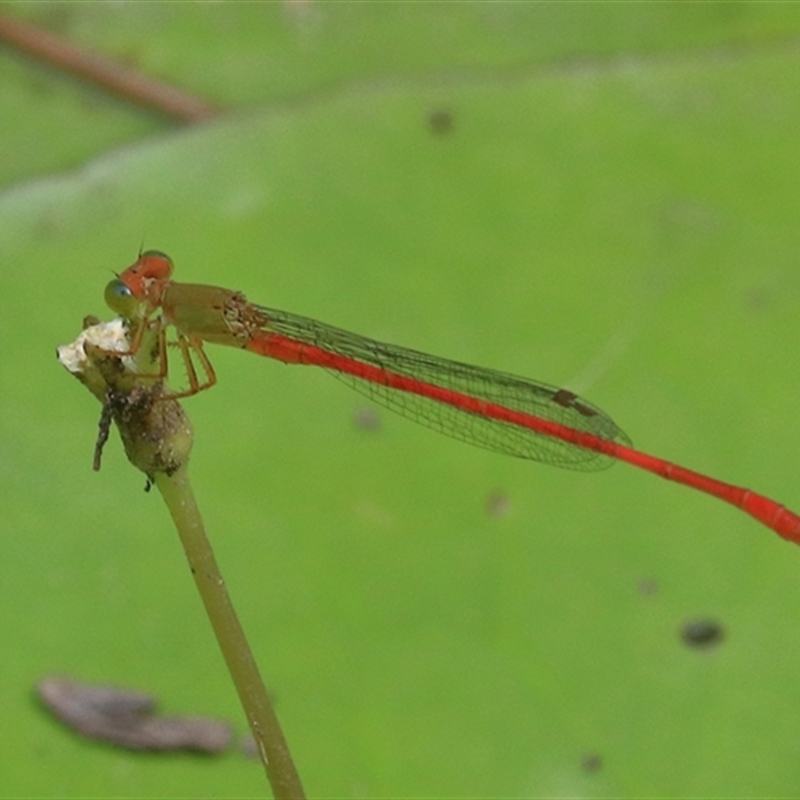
[148, 276]
[152, 264]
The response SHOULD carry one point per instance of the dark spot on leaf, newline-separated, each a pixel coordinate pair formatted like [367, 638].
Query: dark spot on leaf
[591, 762]
[367, 419]
[497, 504]
[702, 633]
[647, 587]
[441, 122]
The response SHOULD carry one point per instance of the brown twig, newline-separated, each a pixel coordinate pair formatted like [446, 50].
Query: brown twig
[104, 72]
[128, 719]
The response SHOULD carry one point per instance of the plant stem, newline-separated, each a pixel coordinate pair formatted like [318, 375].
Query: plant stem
[178, 495]
[157, 437]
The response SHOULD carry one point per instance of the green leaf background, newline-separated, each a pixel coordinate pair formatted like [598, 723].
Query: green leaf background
[613, 208]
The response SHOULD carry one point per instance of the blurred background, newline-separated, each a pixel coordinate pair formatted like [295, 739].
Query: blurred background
[598, 196]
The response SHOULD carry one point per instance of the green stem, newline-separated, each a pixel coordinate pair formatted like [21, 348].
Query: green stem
[178, 495]
[157, 437]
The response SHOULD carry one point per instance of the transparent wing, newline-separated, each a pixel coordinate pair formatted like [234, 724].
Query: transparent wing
[518, 394]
